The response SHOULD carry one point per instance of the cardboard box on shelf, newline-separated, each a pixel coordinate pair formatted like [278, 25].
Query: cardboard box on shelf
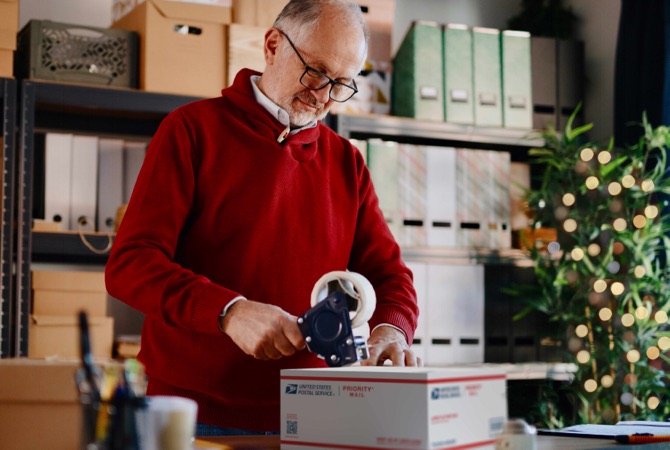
[38, 394]
[50, 336]
[182, 45]
[6, 63]
[245, 49]
[379, 16]
[259, 13]
[69, 303]
[9, 24]
[65, 280]
[392, 407]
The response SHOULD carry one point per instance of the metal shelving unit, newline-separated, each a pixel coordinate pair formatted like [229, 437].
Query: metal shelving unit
[70, 108]
[7, 305]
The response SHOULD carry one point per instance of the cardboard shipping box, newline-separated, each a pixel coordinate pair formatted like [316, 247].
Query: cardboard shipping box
[182, 45]
[65, 293]
[9, 23]
[259, 13]
[50, 336]
[245, 49]
[39, 404]
[392, 407]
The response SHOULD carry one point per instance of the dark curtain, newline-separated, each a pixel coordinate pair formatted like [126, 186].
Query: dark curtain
[642, 78]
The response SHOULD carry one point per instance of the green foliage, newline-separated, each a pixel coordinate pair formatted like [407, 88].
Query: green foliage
[606, 284]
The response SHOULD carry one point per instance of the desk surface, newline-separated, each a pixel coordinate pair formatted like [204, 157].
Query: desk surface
[544, 443]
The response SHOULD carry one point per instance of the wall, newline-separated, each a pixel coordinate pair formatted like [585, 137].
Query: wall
[96, 13]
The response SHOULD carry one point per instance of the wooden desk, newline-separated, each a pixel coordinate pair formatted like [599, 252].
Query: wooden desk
[544, 443]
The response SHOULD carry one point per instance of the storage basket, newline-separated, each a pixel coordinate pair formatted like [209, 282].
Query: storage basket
[55, 51]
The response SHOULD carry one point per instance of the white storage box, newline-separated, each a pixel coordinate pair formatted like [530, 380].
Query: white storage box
[392, 407]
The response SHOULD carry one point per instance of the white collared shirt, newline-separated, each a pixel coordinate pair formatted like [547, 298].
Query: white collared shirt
[277, 112]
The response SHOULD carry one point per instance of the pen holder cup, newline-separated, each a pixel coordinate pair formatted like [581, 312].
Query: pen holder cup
[108, 424]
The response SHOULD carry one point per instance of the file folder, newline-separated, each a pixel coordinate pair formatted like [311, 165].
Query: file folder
[441, 196]
[516, 75]
[500, 234]
[473, 195]
[544, 75]
[458, 74]
[133, 157]
[487, 77]
[570, 81]
[110, 182]
[57, 176]
[418, 81]
[84, 183]
[384, 171]
[419, 273]
[412, 194]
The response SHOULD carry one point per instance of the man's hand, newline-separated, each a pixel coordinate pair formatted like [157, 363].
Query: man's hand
[262, 331]
[388, 343]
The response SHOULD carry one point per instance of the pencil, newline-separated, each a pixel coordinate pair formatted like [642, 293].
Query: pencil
[641, 438]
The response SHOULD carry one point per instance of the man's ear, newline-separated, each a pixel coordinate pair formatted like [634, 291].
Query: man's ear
[271, 44]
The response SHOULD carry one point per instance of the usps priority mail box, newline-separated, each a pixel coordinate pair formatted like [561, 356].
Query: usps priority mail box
[392, 408]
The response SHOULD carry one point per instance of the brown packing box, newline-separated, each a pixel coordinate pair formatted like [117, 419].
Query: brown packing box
[65, 280]
[245, 49]
[38, 405]
[9, 26]
[182, 46]
[6, 63]
[50, 336]
[260, 13]
[379, 17]
[69, 303]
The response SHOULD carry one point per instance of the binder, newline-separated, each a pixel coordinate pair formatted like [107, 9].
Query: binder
[467, 296]
[362, 146]
[110, 182]
[419, 272]
[570, 81]
[516, 75]
[133, 157]
[500, 234]
[412, 194]
[84, 182]
[544, 75]
[440, 317]
[487, 77]
[384, 171]
[441, 196]
[458, 102]
[418, 80]
[473, 194]
[57, 176]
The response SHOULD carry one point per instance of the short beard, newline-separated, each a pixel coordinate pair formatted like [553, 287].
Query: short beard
[301, 118]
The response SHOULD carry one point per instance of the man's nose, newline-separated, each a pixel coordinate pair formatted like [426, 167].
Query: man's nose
[322, 95]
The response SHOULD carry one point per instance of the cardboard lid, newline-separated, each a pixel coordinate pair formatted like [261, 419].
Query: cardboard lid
[38, 380]
[59, 321]
[217, 11]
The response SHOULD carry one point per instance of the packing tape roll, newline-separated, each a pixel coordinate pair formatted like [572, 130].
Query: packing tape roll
[353, 284]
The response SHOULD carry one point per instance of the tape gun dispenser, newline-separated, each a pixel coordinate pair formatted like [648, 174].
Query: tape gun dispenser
[341, 301]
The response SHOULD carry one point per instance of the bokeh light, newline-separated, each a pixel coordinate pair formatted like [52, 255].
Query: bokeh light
[653, 352]
[568, 199]
[592, 182]
[628, 181]
[641, 312]
[599, 286]
[639, 271]
[593, 249]
[661, 317]
[605, 314]
[633, 356]
[570, 225]
[614, 188]
[604, 157]
[651, 211]
[639, 221]
[590, 385]
[653, 402]
[586, 154]
[577, 254]
[617, 288]
[607, 381]
[582, 330]
[647, 186]
[620, 224]
[627, 320]
[583, 356]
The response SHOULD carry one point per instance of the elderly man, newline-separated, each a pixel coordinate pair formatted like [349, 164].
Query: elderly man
[243, 202]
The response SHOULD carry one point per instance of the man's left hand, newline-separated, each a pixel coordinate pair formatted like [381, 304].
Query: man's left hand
[389, 344]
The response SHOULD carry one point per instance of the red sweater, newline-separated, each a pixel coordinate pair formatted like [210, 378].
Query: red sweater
[220, 209]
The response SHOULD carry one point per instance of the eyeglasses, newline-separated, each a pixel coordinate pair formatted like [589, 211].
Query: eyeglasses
[315, 80]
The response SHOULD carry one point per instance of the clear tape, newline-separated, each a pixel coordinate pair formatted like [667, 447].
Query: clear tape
[354, 285]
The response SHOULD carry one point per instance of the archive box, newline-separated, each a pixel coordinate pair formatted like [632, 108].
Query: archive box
[56, 51]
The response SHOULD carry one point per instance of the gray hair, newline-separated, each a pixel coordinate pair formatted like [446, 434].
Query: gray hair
[300, 18]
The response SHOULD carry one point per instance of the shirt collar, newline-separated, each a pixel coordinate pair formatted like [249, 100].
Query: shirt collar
[277, 112]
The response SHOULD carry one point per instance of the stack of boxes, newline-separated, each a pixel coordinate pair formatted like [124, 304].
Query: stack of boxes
[58, 297]
[9, 25]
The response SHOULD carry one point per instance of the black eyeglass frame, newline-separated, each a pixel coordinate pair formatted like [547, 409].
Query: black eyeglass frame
[329, 81]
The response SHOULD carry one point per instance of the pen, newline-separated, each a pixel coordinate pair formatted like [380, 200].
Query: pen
[641, 438]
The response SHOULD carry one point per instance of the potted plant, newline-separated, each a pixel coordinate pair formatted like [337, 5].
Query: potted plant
[604, 281]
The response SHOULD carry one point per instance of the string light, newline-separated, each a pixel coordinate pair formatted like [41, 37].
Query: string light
[586, 154]
[661, 317]
[582, 330]
[651, 211]
[641, 312]
[604, 157]
[653, 353]
[599, 286]
[614, 188]
[607, 381]
[570, 225]
[583, 356]
[617, 288]
[590, 385]
[568, 199]
[639, 221]
[647, 186]
[633, 356]
[605, 314]
[664, 343]
[628, 181]
[592, 182]
[653, 402]
[620, 224]
[594, 249]
[627, 320]
[577, 254]
[639, 271]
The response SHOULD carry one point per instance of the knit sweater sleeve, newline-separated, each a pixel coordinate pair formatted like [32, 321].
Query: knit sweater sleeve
[376, 255]
[141, 270]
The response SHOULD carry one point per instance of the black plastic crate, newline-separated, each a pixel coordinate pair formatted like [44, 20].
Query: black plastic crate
[56, 51]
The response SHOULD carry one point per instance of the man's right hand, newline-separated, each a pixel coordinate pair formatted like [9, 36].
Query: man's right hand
[262, 331]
